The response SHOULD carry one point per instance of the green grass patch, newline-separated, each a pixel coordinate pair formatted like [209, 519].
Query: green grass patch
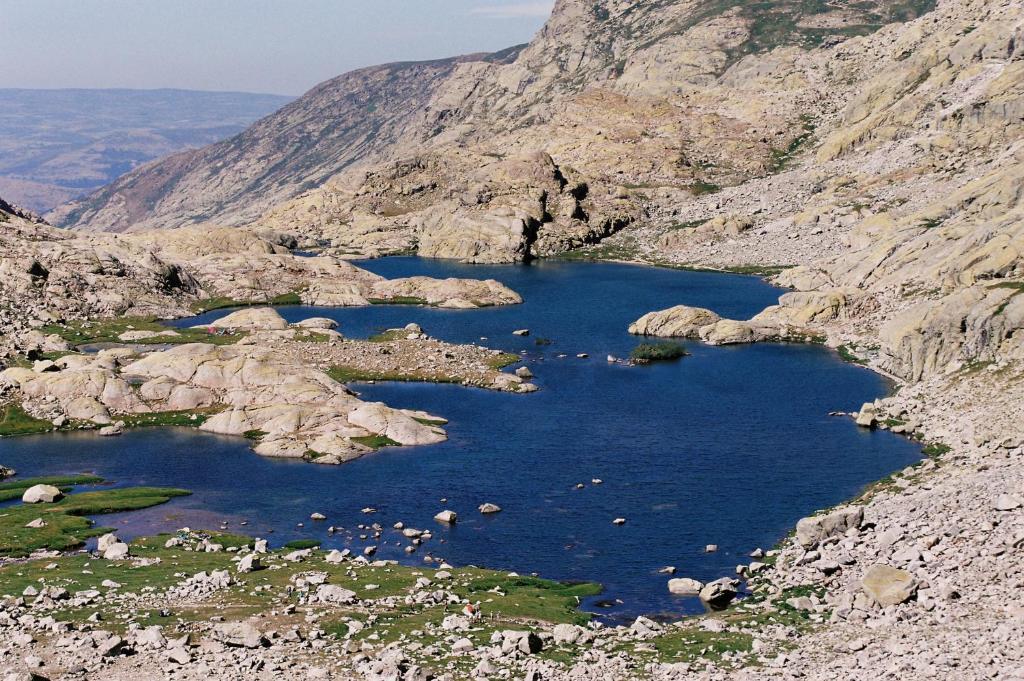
[1013, 285]
[430, 422]
[602, 252]
[689, 224]
[398, 300]
[503, 360]
[779, 159]
[702, 188]
[658, 352]
[376, 441]
[349, 374]
[66, 525]
[14, 420]
[110, 330]
[312, 337]
[301, 544]
[388, 336]
[848, 355]
[758, 270]
[189, 418]
[221, 302]
[934, 450]
[976, 365]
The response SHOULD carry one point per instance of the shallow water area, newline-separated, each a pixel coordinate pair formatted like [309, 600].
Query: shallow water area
[728, 446]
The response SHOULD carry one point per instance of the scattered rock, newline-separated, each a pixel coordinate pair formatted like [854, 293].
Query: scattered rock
[814, 529]
[239, 635]
[887, 585]
[1008, 502]
[684, 586]
[447, 517]
[720, 592]
[249, 563]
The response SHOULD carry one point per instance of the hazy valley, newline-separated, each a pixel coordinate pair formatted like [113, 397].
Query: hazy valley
[56, 145]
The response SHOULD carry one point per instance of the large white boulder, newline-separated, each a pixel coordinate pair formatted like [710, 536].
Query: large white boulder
[252, 319]
[684, 586]
[681, 321]
[41, 494]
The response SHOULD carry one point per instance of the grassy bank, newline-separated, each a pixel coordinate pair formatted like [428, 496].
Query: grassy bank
[110, 331]
[221, 302]
[508, 601]
[65, 525]
[14, 420]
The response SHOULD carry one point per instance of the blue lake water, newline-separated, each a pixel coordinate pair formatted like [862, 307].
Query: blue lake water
[729, 446]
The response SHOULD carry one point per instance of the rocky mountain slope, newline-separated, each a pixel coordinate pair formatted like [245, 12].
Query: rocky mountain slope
[682, 95]
[58, 145]
[295, 149]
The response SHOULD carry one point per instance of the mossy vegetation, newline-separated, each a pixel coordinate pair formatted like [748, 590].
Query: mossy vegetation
[507, 601]
[388, 335]
[1016, 286]
[701, 187]
[398, 300]
[376, 441]
[350, 374]
[65, 525]
[430, 422]
[847, 354]
[779, 159]
[311, 337]
[353, 374]
[503, 360]
[602, 252]
[188, 418]
[109, 331]
[934, 450]
[302, 544]
[658, 352]
[221, 302]
[14, 420]
[688, 224]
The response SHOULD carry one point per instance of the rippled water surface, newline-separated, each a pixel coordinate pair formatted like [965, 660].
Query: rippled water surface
[728, 446]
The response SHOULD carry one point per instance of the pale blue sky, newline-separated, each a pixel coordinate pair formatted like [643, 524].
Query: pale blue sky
[274, 46]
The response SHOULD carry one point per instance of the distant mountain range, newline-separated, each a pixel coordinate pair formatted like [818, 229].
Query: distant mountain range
[56, 145]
